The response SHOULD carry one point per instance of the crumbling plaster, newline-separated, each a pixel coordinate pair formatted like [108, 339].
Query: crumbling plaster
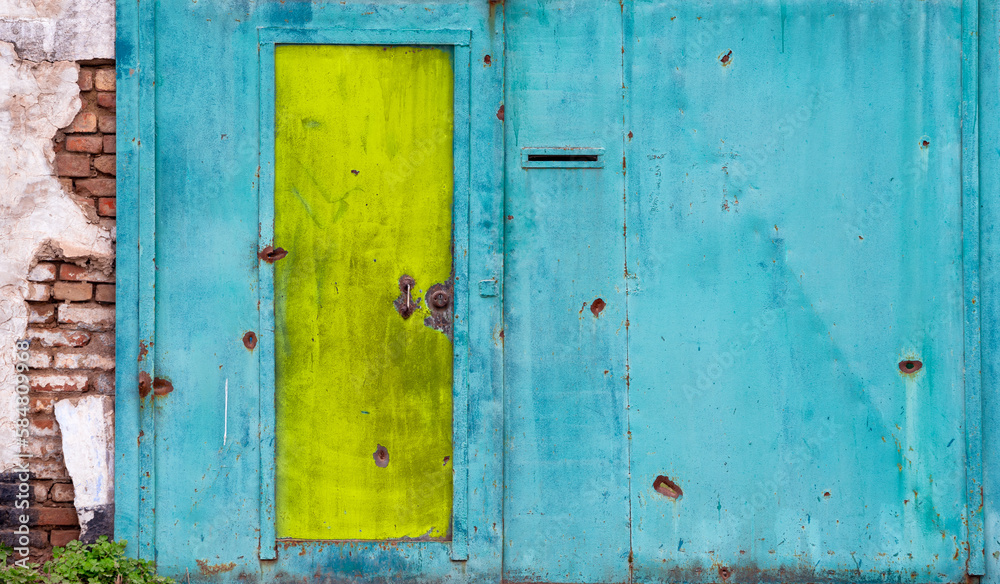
[39, 42]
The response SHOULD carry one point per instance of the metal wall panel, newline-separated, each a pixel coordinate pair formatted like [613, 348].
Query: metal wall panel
[795, 235]
[566, 516]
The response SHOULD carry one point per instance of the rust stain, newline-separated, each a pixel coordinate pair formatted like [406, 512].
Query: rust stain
[381, 456]
[487, 61]
[501, 333]
[143, 350]
[439, 302]
[924, 144]
[910, 366]
[250, 340]
[271, 254]
[405, 304]
[726, 58]
[145, 384]
[667, 488]
[597, 306]
[210, 569]
[162, 386]
[630, 136]
[500, 114]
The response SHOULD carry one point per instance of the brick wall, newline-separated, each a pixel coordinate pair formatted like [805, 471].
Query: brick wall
[71, 317]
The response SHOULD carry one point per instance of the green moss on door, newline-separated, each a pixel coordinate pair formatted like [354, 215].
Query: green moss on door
[363, 195]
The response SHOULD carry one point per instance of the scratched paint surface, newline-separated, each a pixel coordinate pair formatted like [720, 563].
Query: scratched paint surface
[794, 232]
[363, 191]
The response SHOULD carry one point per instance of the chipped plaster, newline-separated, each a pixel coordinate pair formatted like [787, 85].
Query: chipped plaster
[37, 216]
[59, 30]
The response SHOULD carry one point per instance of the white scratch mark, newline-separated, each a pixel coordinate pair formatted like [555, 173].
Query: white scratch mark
[225, 421]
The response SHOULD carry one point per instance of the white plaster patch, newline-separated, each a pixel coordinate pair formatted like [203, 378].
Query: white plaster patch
[88, 434]
[59, 30]
[36, 213]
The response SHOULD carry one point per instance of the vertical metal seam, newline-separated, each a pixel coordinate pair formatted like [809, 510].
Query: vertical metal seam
[970, 267]
[628, 391]
[147, 275]
[266, 104]
[462, 203]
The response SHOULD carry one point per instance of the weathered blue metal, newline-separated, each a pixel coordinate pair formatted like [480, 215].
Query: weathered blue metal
[748, 352]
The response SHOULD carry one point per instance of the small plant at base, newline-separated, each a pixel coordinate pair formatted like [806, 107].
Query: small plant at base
[102, 562]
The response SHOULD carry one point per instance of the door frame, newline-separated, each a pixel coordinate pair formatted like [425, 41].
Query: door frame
[459, 41]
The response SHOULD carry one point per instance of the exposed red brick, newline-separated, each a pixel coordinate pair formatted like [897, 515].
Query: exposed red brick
[84, 361]
[51, 467]
[86, 79]
[61, 537]
[55, 516]
[38, 292]
[106, 124]
[39, 360]
[106, 207]
[105, 164]
[75, 273]
[73, 164]
[105, 293]
[62, 492]
[58, 337]
[104, 80]
[96, 187]
[85, 123]
[58, 381]
[109, 144]
[43, 272]
[41, 491]
[106, 100]
[42, 405]
[43, 426]
[76, 291]
[41, 313]
[92, 144]
[87, 317]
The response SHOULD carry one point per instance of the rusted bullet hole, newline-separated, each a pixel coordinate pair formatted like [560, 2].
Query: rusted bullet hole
[405, 304]
[145, 384]
[910, 366]
[446, 459]
[381, 456]
[725, 573]
[500, 114]
[924, 144]
[162, 386]
[597, 306]
[439, 300]
[725, 58]
[488, 60]
[271, 254]
[250, 340]
[826, 494]
[667, 488]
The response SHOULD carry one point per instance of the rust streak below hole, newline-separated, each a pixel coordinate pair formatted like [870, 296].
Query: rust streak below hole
[250, 340]
[667, 488]
[381, 456]
[597, 306]
[162, 386]
[272, 254]
[145, 384]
